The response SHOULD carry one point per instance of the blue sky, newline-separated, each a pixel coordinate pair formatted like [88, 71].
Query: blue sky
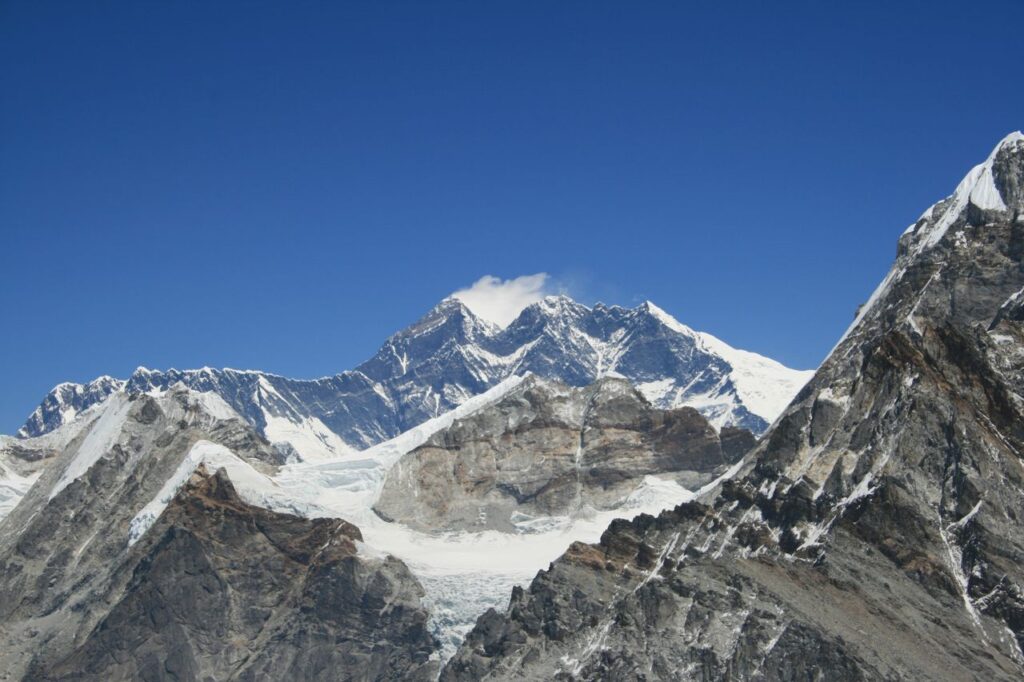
[282, 185]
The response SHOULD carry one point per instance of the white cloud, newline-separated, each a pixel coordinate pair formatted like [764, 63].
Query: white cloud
[500, 301]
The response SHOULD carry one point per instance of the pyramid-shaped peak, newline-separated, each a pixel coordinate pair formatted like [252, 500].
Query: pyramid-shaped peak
[993, 185]
[665, 318]
[449, 311]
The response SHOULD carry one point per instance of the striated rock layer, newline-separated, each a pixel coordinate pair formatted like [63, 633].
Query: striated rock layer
[877, 532]
[551, 450]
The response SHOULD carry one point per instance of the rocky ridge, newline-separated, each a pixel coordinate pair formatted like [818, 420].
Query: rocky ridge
[225, 590]
[875, 533]
[147, 549]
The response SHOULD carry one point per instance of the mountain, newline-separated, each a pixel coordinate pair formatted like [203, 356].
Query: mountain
[876, 532]
[155, 545]
[451, 355]
[65, 402]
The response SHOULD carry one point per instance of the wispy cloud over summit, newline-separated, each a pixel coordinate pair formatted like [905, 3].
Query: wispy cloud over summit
[500, 301]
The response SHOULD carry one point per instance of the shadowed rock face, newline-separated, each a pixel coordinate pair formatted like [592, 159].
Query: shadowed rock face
[552, 450]
[877, 532]
[215, 589]
[229, 591]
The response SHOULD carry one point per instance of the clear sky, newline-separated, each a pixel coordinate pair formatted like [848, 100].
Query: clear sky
[282, 185]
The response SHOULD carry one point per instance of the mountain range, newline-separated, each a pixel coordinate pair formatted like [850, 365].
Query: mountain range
[451, 354]
[564, 520]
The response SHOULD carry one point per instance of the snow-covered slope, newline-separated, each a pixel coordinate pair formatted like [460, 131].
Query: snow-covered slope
[761, 385]
[16, 475]
[451, 355]
[22, 460]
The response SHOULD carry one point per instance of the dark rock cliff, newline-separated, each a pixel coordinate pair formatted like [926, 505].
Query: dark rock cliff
[225, 590]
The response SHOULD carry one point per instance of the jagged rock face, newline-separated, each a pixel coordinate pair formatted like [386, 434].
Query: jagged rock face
[65, 402]
[551, 450]
[58, 544]
[451, 355]
[87, 593]
[875, 533]
[225, 591]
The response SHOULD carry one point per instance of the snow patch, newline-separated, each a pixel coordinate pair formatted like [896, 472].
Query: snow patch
[765, 386]
[978, 188]
[100, 439]
[252, 486]
[215, 405]
[310, 437]
[656, 391]
[12, 488]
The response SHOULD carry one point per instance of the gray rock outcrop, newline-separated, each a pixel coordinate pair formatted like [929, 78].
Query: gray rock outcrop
[228, 591]
[549, 449]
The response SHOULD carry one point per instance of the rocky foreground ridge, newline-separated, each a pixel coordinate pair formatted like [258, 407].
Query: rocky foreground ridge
[875, 533]
[134, 556]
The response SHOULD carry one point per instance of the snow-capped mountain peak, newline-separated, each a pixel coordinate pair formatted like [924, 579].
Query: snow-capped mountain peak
[991, 191]
[978, 189]
[666, 319]
[452, 354]
[65, 402]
